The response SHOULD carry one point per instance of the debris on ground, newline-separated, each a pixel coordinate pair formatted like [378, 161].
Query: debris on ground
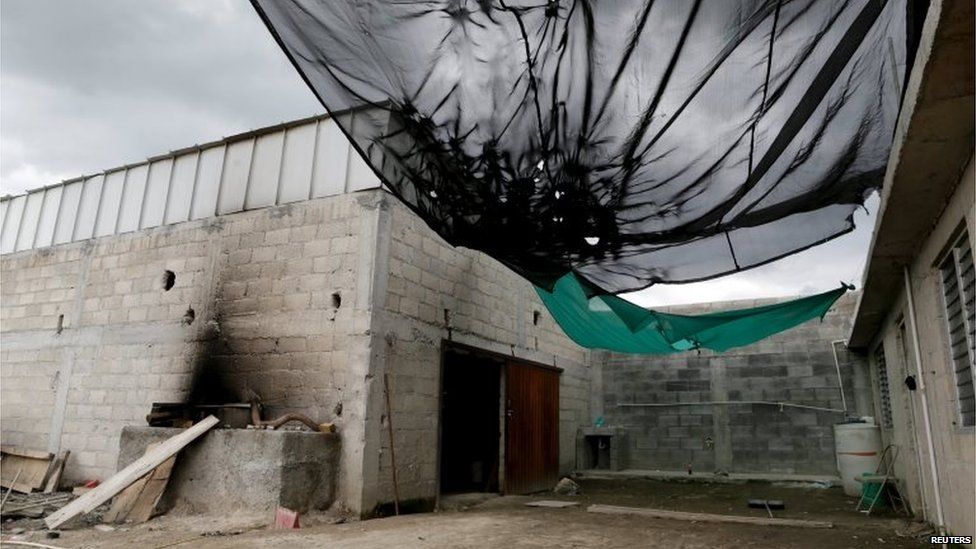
[136, 470]
[567, 487]
[33, 505]
[286, 518]
[222, 533]
[916, 530]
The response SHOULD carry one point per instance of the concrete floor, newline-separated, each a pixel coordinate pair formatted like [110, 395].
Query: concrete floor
[507, 522]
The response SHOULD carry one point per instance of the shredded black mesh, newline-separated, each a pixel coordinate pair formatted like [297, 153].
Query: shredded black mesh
[632, 141]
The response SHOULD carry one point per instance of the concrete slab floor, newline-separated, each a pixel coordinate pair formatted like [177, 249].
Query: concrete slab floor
[507, 522]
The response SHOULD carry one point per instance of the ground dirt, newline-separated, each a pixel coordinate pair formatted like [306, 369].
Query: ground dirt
[507, 523]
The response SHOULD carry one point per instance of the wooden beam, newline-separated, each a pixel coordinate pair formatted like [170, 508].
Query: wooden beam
[706, 517]
[55, 471]
[25, 452]
[136, 470]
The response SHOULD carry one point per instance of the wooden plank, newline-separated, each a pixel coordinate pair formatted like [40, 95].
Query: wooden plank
[125, 501]
[127, 498]
[150, 495]
[55, 472]
[137, 502]
[25, 452]
[33, 472]
[7, 495]
[136, 470]
[705, 517]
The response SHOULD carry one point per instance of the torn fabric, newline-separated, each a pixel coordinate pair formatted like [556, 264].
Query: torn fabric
[631, 141]
[599, 321]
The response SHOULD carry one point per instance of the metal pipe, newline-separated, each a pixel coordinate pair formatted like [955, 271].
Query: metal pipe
[728, 402]
[925, 405]
[918, 455]
[840, 380]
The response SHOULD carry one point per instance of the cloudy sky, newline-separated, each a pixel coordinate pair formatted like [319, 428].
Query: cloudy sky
[86, 86]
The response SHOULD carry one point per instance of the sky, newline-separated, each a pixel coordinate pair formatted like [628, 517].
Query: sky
[87, 86]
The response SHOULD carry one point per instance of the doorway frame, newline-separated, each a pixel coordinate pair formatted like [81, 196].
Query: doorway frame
[447, 346]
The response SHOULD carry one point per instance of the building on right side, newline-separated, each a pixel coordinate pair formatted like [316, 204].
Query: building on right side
[916, 315]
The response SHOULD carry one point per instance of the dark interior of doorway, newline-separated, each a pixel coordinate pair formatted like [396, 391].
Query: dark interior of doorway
[470, 422]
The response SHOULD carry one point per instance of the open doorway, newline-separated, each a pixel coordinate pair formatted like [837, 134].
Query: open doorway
[470, 421]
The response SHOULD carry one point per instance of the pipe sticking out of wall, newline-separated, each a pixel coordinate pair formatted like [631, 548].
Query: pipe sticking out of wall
[840, 380]
[728, 403]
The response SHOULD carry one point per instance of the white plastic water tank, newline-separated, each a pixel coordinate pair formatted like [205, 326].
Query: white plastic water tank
[858, 447]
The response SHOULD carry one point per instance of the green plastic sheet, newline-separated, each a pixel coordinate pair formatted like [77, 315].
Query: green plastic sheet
[602, 321]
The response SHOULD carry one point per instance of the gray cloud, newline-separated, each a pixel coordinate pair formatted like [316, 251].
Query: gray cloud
[87, 86]
[91, 85]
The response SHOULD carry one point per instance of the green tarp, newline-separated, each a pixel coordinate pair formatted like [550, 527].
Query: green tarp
[601, 321]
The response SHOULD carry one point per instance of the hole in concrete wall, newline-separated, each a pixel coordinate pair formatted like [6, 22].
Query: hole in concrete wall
[189, 316]
[536, 315]
[60, 327]
[336, 300]
[447, 318]
[169, 280]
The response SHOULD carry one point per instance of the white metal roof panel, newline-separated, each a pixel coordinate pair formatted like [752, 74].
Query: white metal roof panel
[295, 161]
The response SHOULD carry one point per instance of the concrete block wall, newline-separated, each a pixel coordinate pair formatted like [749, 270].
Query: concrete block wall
[434, 292]
[27, 395]
[285, 305]
[74, 387]
[306, 305]
[796, 366]
[260, 286]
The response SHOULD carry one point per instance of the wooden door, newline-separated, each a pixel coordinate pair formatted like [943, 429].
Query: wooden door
[531, 427]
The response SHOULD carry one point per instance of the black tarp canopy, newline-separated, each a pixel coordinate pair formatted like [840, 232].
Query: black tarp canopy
[630, 142]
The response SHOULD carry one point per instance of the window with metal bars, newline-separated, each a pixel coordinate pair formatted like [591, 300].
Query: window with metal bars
[883, 387]
[959, 291]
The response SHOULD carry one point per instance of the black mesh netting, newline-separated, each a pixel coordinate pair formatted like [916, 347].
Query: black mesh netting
[631, 141]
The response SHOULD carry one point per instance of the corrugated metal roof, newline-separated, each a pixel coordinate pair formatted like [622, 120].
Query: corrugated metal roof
[289, 162]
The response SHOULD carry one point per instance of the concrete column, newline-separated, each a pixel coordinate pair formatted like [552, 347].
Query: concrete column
[371, 292]
[63, 380]
[721, 431]
[598, 360]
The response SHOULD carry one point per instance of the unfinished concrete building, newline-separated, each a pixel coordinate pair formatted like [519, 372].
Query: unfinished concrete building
[272, 265]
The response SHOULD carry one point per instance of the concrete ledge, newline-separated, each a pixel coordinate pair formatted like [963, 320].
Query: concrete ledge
[243, 470]
[733, 478]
